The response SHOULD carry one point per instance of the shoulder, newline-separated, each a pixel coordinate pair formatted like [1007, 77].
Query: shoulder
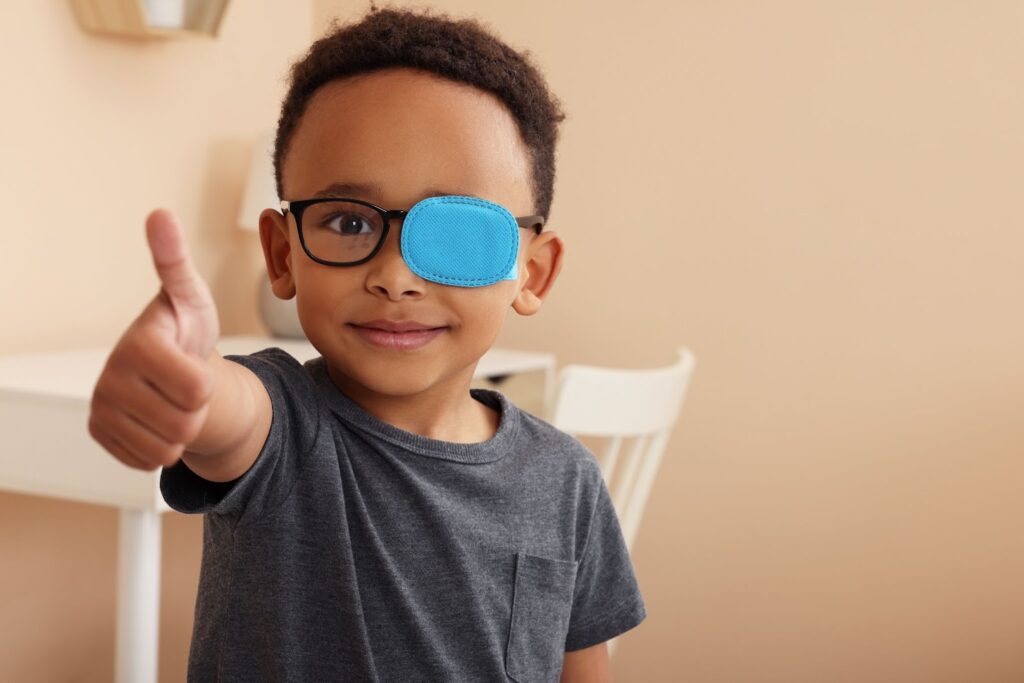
[272, 357]
[277, 368]
[561, 450]
[292, 390]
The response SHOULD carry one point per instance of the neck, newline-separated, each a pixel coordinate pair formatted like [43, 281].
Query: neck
[444, 411]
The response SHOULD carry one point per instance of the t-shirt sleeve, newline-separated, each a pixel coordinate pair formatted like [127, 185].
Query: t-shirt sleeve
[606, 598]
[293, 429]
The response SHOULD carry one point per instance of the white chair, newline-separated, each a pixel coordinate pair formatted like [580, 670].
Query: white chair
[620, 404]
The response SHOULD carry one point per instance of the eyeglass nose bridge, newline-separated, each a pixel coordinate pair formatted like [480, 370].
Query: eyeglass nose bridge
[395, 214]
[390, 215]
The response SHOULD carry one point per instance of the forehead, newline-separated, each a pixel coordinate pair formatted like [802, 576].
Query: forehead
[406, 131]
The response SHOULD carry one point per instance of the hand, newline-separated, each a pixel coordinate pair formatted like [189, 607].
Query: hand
[153, 395]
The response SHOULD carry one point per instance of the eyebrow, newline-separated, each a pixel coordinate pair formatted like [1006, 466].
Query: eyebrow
[357, 190]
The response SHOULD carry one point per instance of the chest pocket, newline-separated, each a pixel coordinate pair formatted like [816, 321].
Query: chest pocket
[541, 606]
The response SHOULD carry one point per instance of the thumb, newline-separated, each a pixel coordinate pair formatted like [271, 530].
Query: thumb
[173, 264]
[195, 323]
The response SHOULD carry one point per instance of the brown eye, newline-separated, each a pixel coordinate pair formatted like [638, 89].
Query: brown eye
[348, 224]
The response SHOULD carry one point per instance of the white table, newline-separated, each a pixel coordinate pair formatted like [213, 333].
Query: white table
[44, 414]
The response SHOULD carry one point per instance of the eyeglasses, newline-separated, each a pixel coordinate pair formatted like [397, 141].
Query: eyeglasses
[450, 239]
[338, 231]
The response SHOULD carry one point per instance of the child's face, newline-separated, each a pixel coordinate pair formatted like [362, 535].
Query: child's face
[407, 134]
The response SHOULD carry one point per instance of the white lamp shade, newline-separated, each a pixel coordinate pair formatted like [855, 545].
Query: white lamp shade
[261, 189]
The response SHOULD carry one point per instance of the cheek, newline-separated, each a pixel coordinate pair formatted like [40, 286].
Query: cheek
[321, 292]
[487, 307]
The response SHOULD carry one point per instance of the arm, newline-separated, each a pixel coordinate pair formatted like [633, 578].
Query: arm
[589, 665]
[235, 427]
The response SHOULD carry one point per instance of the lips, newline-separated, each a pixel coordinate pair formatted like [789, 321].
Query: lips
[398, 325]
[398, 341]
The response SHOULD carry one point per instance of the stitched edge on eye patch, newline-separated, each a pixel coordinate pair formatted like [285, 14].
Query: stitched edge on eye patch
[459, 199]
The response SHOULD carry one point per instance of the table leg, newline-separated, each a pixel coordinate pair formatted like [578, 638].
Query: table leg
[138, 596]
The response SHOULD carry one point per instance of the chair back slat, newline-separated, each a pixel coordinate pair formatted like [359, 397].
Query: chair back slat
[622, 489]
[634, 507]
[610, 457]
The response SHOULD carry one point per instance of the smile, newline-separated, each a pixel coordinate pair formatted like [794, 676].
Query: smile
[400, 341]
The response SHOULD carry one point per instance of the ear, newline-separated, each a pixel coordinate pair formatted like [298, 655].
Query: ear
[542, 263]
[277, 252]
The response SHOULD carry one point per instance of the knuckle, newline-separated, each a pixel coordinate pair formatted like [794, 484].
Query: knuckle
[125, 354]
[99, 405]
[134, 464]
[135, 349]
[147, 466]
[144, 457]
[110, 386]
[94, 430]
[110, 446]
[94, 400]
[101, 392]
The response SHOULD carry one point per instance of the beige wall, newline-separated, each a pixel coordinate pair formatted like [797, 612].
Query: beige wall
[95, 133]
[834, 227]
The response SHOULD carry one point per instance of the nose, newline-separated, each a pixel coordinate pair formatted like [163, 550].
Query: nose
[388, 273]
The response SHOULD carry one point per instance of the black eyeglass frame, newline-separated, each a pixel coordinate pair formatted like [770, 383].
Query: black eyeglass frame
[298, 206]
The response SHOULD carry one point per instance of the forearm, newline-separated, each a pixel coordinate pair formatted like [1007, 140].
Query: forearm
[225, 448]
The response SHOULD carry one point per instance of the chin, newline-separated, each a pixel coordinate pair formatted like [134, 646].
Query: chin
[386, 379]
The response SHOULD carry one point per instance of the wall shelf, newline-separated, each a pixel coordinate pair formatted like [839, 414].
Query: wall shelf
[128, 19]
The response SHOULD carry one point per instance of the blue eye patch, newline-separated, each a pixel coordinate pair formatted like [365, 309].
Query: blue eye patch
[461, 241]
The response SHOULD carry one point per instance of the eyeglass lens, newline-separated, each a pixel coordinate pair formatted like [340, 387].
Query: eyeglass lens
[341, 231]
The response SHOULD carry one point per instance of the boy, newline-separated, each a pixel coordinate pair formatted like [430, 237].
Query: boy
[368, 517]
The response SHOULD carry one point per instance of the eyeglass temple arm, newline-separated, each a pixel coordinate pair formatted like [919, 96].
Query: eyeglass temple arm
[535, 222]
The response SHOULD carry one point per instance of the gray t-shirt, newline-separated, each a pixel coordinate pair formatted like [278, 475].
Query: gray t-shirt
[353, 550]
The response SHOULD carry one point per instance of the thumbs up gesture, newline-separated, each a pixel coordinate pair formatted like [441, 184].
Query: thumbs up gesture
[153, 394]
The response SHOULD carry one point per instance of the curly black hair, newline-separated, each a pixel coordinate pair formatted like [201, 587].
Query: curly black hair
[459, 50]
